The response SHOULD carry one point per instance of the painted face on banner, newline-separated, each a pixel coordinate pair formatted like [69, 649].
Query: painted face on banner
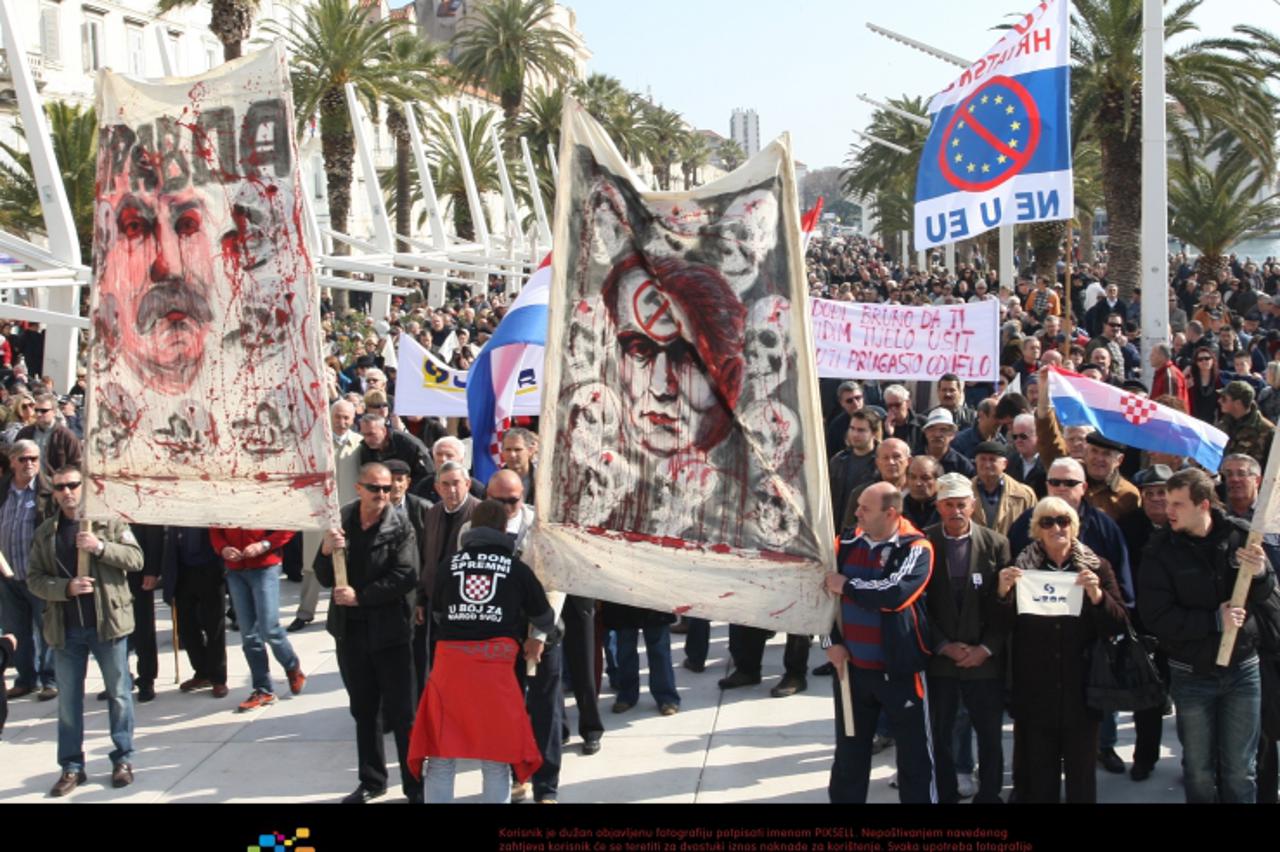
[665, 382]
[155, 285]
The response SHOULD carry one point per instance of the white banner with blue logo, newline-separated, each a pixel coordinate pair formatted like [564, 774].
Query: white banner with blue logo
[427, 387]
[1049, 593]
[999, 150]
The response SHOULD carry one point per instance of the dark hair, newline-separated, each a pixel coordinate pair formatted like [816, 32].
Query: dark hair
[65, 469]
[950, 377]
[1011, 405]
[718, 318]
[490, 514]
[1198, 484]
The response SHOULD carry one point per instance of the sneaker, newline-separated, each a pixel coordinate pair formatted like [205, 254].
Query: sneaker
[879, 744]
[966, 787]
[297, 680]
[520, 792]
[1110, 761]
[256, 700]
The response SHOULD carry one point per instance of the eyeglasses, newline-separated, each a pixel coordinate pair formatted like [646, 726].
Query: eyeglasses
[376, 405]
[43, 410]
[1065, 483]
[375, 489]
[29, 459]
[66, 486]
[1206, 359]
[1048, 523]
[507, 501]
[1021, 437]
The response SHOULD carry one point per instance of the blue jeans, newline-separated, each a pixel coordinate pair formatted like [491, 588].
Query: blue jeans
[255, 593]
[662, 677]
[1108, 732]
[72, 663]
[23, 616]
[1219, 720]
[438, 781]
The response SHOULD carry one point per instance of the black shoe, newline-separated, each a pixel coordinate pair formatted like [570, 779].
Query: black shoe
[103, 696]
[146, 692]
[1141, 771]
[789, 685]
[298, 624]
[696, 668]
[825, 670]
[1110, 761]
[591, 746]
[293, 578]
[738, 678]
[362, 794]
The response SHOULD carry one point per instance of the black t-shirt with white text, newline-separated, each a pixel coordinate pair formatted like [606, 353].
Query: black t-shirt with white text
[486, 593]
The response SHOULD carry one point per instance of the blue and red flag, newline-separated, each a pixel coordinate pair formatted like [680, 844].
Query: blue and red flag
[999, 149]
[1132, 419]
[517, 343]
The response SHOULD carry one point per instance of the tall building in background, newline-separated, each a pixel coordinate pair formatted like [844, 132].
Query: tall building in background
[744, 128]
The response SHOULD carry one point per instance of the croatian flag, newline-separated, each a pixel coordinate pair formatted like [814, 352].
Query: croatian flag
[999, 148]
[516, 345]
[1133, 420]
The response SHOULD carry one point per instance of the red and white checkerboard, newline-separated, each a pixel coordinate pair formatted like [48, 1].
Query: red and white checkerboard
[476, 587]
[1137, 410]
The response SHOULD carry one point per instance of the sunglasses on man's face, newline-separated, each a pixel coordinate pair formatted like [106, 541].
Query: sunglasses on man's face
[508, 501]
[1064, 483]
[66, 486]
[43, 410]
[376, 489]
[1049, 523]
[29, 459]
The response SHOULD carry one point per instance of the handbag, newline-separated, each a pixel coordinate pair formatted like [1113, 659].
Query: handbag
[1123, 675]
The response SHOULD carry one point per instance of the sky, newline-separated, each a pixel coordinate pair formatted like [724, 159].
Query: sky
[802, 63]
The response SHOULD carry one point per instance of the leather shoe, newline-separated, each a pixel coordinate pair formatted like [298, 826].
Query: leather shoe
[591, 746]
[48, 693]
[20, 691]
[220, 690]
[1141, 771]
[825, 670]
[146, 692]
[696, 668]
[362, 794]
[789, 685]
[298, 624]
[621, 706]
[738, 678]
[669, 709]
[67, 782]
[1110, 761]
[121, 775]
[194, 683]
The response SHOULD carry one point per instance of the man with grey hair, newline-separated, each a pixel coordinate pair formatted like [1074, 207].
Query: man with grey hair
[380, 443]
[20, 513]
[1024, 462]
[59, 446]
[851, 398]
[446, 449]
[346, 462]
[901, 422]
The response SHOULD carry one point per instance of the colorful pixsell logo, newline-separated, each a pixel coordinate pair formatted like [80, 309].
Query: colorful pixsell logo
[277, 842]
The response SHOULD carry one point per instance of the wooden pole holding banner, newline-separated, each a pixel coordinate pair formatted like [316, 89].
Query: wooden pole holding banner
[177, 658]
[1257, 527]
[846, 689]
[1067, 322]
[82, 556]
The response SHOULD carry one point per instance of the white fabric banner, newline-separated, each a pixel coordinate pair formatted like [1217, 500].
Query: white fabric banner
[1049, 593]
[903, 343]
[206, 403]
[680, 461]
[426, 387]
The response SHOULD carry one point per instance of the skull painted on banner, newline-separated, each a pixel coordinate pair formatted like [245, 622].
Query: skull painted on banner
[771, 429]
[765, 349]
[686, 486]
[744, 235]
[775, 519]
[595, 417]
[584, 342]
[605, 482]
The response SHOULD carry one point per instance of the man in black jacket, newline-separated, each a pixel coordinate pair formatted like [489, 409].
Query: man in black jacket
[380, 442]
[968, 653]
[370, 619]
[1188, 572]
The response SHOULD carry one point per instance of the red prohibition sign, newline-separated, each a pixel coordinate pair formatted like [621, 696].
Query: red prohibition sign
[650, 305]
[1017, 159]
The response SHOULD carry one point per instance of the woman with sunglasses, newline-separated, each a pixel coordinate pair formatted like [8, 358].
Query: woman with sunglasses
[1053, 728]
[24, 414]
[1203, 383]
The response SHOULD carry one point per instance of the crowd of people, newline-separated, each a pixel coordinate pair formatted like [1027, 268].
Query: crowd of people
[946, 497]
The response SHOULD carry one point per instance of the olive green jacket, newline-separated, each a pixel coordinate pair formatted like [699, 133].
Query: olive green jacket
[113, 602]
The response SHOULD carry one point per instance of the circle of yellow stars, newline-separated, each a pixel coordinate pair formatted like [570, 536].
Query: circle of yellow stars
[1012, 143]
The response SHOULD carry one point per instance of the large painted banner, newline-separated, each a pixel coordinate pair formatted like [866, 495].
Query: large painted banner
[206, 400]
[999, 148]
[902, 343]
[427, 387]
[681, 447]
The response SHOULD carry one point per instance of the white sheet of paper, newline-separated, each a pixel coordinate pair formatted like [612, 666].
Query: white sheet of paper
[1049, 593]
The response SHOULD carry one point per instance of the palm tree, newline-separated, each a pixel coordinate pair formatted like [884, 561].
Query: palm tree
[448, 176]
[229, 20]
[1214, 84]
[630, 129]
[666, 128]
[1215, 206]
[411, 51]
[540, 124]
[334, 43]
[694, 152]
[508, 41]
[887, 176]
[731, 154]
[74, 132]
[602, 96]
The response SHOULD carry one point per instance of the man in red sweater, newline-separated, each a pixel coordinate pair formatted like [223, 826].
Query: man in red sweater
[253, 559]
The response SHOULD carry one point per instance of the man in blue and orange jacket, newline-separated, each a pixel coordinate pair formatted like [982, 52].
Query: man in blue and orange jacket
[881, 645]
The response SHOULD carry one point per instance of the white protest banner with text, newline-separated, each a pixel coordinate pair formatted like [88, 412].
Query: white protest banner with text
[904, 343]
[1049, 593]
[427, 387]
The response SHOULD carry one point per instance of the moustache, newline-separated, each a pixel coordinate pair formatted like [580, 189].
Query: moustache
[170, 295]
